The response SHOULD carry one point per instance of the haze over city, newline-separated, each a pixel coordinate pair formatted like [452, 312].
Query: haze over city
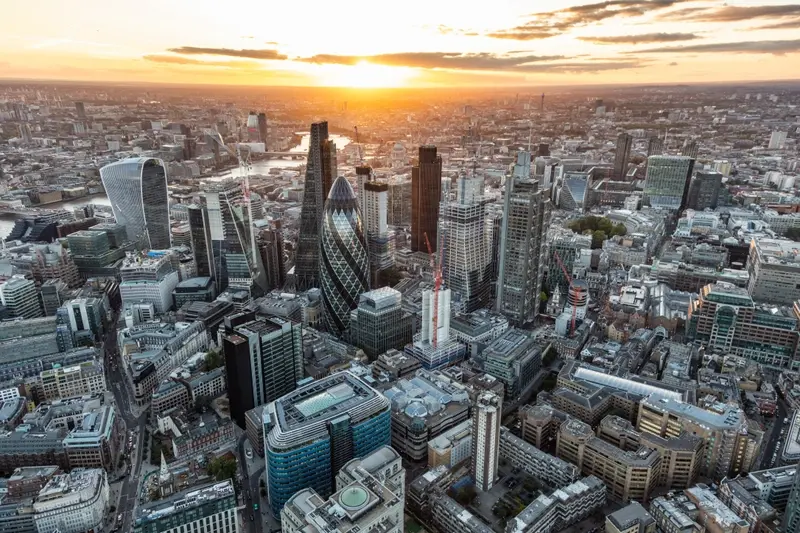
[416, 43]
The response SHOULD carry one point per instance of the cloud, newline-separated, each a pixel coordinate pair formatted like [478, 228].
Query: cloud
[745, 47]
[734, 13]
[230, 52]
[673, 64]
[180, 60]
[430, 60]
[544, 25]
[785, 25]
[643, 38]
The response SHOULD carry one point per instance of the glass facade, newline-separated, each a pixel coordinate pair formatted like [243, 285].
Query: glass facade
[137, 190]
[667, 182]
[344, 268]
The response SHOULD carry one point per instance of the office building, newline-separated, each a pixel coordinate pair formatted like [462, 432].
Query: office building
[85, 317]
[466, 253]
[704, 191]
[366, 499]
[148, 280]
[67, 382]
[445, 350]
[263, 361]
[655, 146]
[561, 509]
[486, 417]
[137, 190]
[423, 407]
[233, 239]
[94, 441]
[731, 443]
[540, 465]
[568, 246]
[210, 508]
[344, 267]
[320, 173]
[202, 245]
[426, 193]
[774, 269]
[262, 129]
[690, 149]
[379, 323]
[73, 503]
[374, 212]
[514, 358]
[621, 155]
[526, 214]
[777, 140]
[270, 245]
[724, 316]
[452, 447]
[199, 289]
[791, 518]
[80, 109]
[311, 433]
[20, 298]
[633, 518]
[629, 475]
[666, 183]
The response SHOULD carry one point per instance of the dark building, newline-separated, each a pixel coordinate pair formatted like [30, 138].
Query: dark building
[655, 146]
[237, 372]
[544, 150]
[80, 108]
[270, 245]
[262, 128]
[704, 191]
[426, 191]
[320, 172]
[200, 234]
[622, 155]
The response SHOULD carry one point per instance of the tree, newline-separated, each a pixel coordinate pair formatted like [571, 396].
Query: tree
[619, 229]
[597, 239]
[793, 233]
[222, 468]
[543, 296]
[465, 494]
[212, 360]
[202, 403]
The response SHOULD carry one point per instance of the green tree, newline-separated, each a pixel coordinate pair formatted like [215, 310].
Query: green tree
[793, 233]
[202, 403]
[597, 239]
[619, 229]
[222, 468]
[543, 296]
[212, 360]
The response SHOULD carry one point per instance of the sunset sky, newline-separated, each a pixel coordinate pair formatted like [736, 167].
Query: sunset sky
[359, 43]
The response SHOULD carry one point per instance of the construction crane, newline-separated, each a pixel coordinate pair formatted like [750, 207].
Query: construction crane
[574, 296]
[437, 284]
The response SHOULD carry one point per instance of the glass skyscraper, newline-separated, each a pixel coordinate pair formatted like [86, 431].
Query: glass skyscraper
[310, 433]
[137, 190]
[666, 184]
[344, 265]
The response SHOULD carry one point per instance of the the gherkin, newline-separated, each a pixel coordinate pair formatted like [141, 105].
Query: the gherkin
[344, 265]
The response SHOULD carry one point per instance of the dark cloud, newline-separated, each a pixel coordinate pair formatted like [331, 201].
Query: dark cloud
[643, 38]
[785, 25]
[180, 60]
[482, 61]
[734, 13]
[745, 47]
[230, 52]
[673, 64]
[544, 25]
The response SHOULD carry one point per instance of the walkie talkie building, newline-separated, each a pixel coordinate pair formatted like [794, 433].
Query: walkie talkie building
[137, 190]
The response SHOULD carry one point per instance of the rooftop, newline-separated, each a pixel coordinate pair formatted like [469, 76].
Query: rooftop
[721, 416]
[183, 501]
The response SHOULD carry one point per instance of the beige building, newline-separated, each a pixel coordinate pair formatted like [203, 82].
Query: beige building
[77, 380]
[731, 442]
[540, 424]
[633, 518]
[628, 475]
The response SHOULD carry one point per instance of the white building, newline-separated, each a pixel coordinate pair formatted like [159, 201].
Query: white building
[774, 268]
[210, 508]
[148, 280]
[777, 140]
[73, 503]
[373, 197]
[20, 298]
[451, 447]
[486, 439]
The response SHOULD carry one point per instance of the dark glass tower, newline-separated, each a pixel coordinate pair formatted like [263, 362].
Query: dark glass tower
[200, 233]
[426, 191]
[344, 269]
[621, 156]
[320, 169]
[262, 128]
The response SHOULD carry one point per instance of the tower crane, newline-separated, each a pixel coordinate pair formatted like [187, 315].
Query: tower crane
[574, 296]
[437, 284]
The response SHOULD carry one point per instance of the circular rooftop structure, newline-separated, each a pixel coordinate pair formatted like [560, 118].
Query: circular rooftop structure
[353, 498]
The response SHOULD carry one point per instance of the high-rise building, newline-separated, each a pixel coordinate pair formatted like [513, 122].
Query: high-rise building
[148, 280]
[777, 140]
[791, 518]
[137, 190]
[526, 214]
[238, 262]
[655, 146]
[486, 416]
[19, 297]
[774, 271]
[262, 128]
[568, 246]
[704, 191]
[374, 203]
[252, 127]
[80, 108]
[263, 361]
[379, 323]
[209, 508]
[202, 244]
[270, 244]
[514, 358]
[622, 155]
[344, 268]
[466, 251]
[426, 192]
[666, 184]
[320, 172]
[690, 149]
[311, 433]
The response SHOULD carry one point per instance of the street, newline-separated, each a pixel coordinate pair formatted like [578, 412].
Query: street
[774, 438]
[252, 493]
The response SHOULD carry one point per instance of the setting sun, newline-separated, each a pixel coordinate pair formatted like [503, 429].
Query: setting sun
[363, 75]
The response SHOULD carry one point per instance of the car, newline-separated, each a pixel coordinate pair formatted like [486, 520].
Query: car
[252, 518]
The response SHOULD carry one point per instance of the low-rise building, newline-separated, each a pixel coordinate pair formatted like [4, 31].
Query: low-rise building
[65, 382]
[514, 358]
[74, 502]
[546, 468]
[94, 442]
[452, 447]
[633, 518]
[209, 507]
[713, 514]
[564, 507]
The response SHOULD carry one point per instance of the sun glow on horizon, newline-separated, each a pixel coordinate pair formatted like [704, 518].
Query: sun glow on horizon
[363, 75]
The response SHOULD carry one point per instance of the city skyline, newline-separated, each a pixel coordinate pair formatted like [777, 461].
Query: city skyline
[425, 45]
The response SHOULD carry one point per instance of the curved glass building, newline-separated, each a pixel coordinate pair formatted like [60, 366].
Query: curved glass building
[310, 433]
[137, 190]
[344, 265]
